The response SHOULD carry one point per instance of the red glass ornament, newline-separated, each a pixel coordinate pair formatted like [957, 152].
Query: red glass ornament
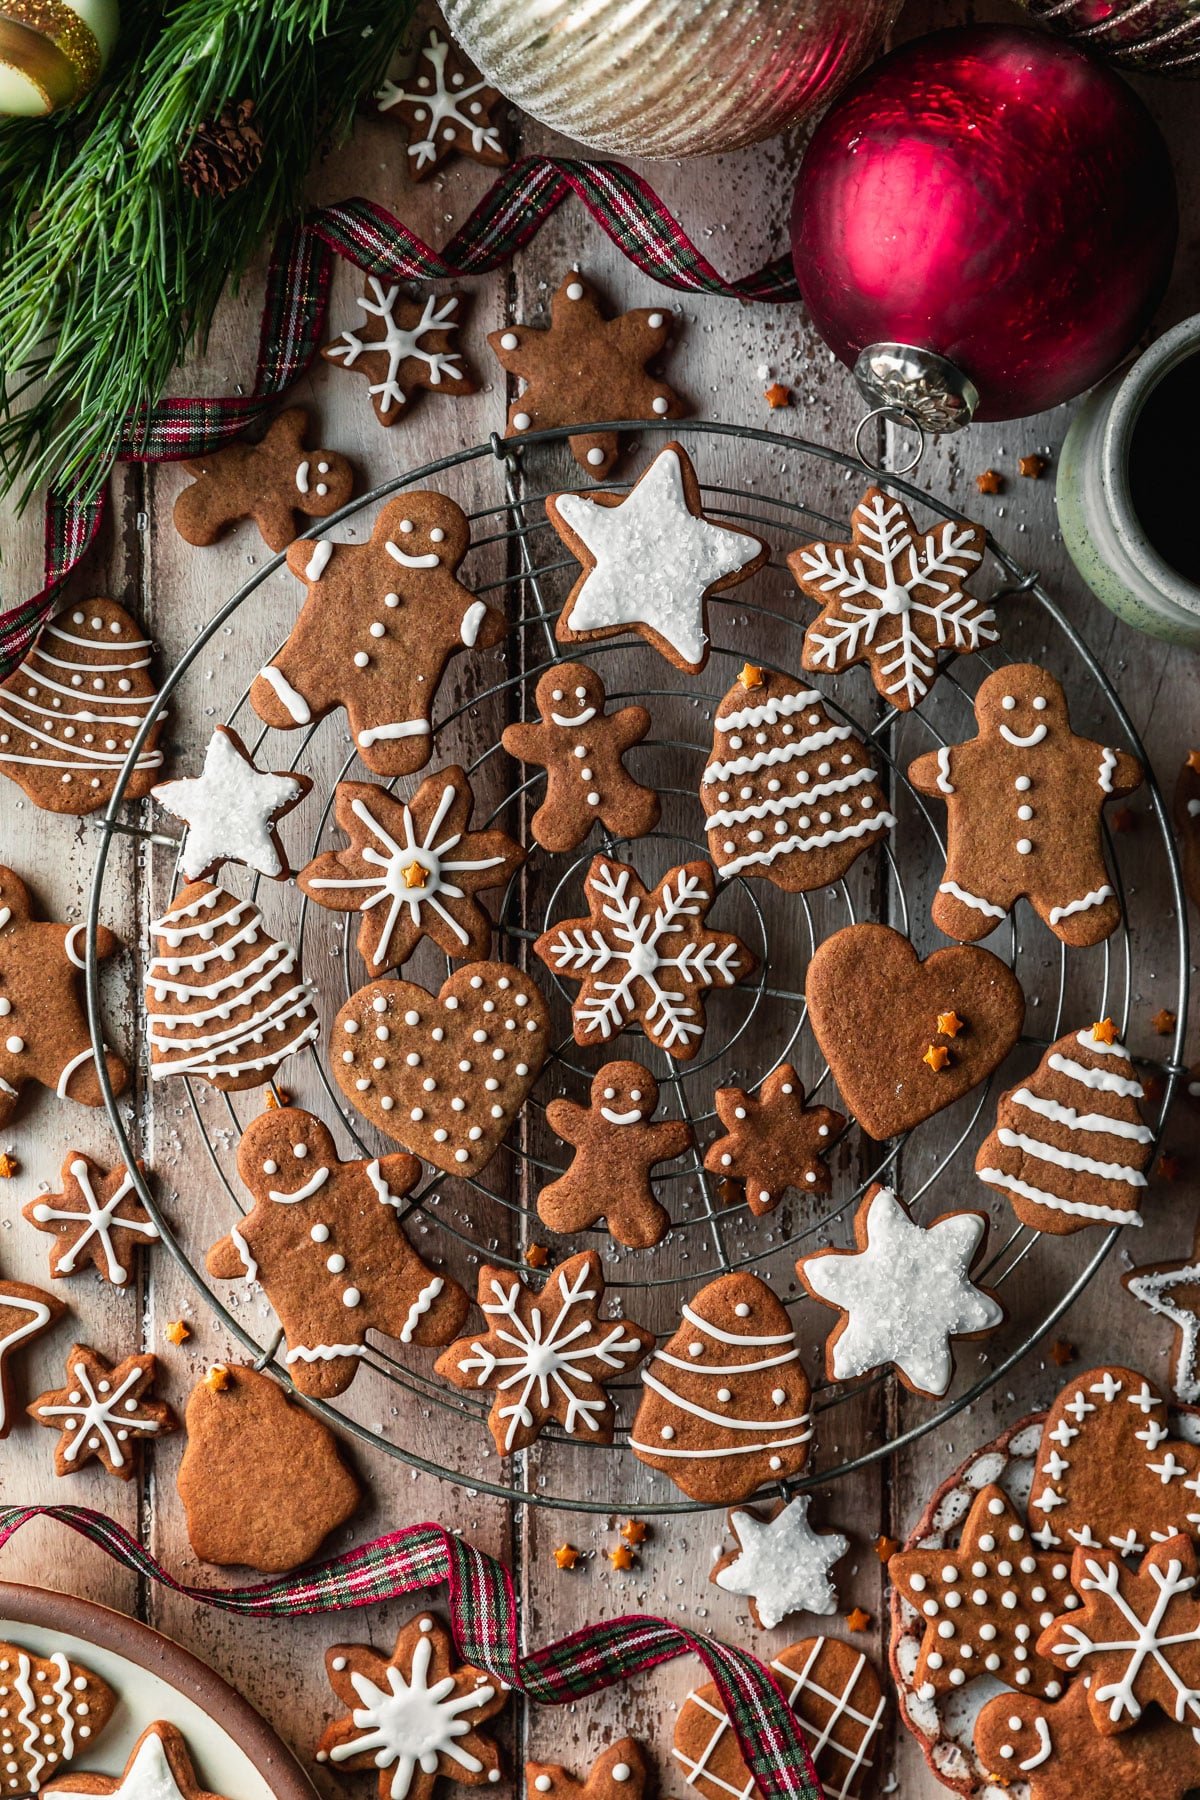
[994, 196]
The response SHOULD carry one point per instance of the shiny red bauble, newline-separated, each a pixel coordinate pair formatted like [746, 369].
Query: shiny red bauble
[994, 196]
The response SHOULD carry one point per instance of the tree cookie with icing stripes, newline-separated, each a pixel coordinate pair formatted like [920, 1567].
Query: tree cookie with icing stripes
[374, 636]
[324, 1238]
[1024, 804]
[51, 1710]
[98, 1220]
[1070, 1147]
[790, 793]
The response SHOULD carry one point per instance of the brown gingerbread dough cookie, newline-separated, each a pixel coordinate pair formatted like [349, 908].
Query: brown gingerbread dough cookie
[275, 482]
[25, 1313]
[403, 346]
[616, 1146]
[446, 108]
[622, 1772]
[53, 1710]
[773, 1142]
[102, 1412]
[1187, 822]
[97, 1220]
[159, 1768]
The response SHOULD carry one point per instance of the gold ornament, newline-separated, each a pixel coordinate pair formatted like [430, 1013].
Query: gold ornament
[669, 77]
[52, 52]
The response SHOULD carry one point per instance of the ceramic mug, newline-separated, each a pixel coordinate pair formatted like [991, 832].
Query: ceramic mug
[1100, 525]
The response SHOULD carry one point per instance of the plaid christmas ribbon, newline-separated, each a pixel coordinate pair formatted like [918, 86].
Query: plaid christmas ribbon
[512, 211]
[486, 1625]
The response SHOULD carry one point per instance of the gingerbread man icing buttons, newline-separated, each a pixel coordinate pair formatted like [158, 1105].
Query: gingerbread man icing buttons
[582, 749]
[773, 1142]
[1024, 801]
[379, 625]
[274, 482]
[616, 1146]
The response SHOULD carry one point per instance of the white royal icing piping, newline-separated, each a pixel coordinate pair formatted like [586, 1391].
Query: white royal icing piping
[972, 900]
[472, 619]
[1027, 742]
[401, 728]
[100, 1222]
[1108, 763]
[1095, 898]
[945, 785]
[420, 1307]
[297, 706]
[1083, 1209]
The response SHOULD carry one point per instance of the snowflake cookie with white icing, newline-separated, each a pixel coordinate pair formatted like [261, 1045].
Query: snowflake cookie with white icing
[102, 1412]
[97, 1219]
[446, 108]
[403, 346]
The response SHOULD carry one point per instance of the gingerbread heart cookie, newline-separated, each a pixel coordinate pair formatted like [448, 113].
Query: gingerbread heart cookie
[444, 1074]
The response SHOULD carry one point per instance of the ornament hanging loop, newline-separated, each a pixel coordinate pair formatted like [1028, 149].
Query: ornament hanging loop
[894, 415]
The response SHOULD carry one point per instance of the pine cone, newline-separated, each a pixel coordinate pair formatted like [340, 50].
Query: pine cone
[225, 152]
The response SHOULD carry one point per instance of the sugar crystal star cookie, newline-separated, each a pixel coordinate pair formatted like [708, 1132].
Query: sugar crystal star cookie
[232, 810]
[97, 1219]
[102, 1411]
[773, 1142]
[781, 1564]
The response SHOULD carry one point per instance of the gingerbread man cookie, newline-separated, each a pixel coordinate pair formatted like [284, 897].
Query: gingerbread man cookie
[97, 1219]
[44, 1034]
[582, 749]
[379, 625]
[773, 1142]
[273, 482]
[616, 1146]
[1187, 822]
[324, 1239]
[403, 345]
[1056, 1753]
[1024, 801]
[102, 1411]
[446, 108]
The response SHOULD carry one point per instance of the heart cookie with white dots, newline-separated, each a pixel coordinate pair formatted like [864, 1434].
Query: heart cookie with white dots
[444, 1074]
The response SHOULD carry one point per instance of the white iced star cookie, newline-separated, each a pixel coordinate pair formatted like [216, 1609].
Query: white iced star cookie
[651, 558]
[781, 1564]
[905, 1292]
[159, 1768]
[232, 810]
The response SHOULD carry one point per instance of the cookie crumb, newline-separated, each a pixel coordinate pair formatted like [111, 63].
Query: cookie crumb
[857, 1619]
[1062, 1352]
[1163, 1022]
[177, 1332]
[1032, 466]
[218, 1378]
[276, 1096]
[1123, 819]
[777, 395]
[566, 1556]
[8, 1166]
[1193, 761]
[990, 482]
[937, 1056]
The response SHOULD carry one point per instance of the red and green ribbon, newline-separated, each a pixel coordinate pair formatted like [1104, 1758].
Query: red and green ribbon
[485, 1622]
[293, 321]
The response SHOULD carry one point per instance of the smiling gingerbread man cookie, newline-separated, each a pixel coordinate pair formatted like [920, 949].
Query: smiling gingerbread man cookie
[616, 1146]
[1024, 801]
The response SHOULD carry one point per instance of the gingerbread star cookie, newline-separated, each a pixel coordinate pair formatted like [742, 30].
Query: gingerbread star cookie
[446, 108]
[1171, 1290]
[616, 1146]
[159, 1768]
[324, 1239]
[651, 560]
[620, 1773]
[379, 625]
[412, 869]
[1024, 801]
[403, 345]
[582, 749]
[25, 1312]
[893, 598]
[232, 810]
[44, 1034]
[781, 1564]
[645, 955]
[774, 1142]
[1187, 822]
[102, 1411]
[275, 483]
[585, 365]
[97, 1220]
[547, 1354]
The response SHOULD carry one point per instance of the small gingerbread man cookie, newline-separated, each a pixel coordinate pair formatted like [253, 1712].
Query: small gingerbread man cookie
[272, 482]
[616, 1146]
[773, 1142]
[582, 749]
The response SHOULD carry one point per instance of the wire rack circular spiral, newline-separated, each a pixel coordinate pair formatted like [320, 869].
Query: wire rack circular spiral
[788, 491]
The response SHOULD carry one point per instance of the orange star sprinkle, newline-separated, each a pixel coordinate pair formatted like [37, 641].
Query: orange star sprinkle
[751, 675]
[621, 1556]
[634, 1531]
[1104, 1031]
[949, 1024]
[414, 875]
[566, 1556]
[1123, 819]
[990, 482]
[937, 1056]
[1033, 466]
[857, 1620]
[1170, 1168]
[777, 395]
[537, 1256]
[218, 1378]
[1061, 1353]
[1193, 761]
[176, 1332]
[8, 1166]
[1163, 1022]
[886, 1547]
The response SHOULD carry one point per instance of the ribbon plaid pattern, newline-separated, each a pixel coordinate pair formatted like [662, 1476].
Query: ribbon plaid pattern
[512, 211]
[486, 1625]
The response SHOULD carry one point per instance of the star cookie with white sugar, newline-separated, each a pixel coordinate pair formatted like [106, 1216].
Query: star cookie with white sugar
[446, 108]
[985, 1603]
[1171, 1290]
[232, 810]
[273, 482]
[380, 623]
[159, 1768]
[102, 1411]
[781, 1564]
[620, 1773]
[546, 1354]
[904, 1293]
[773, 1142]
[97, 1219]
[412, 869]
[893, 598]
[25, 1312]
[651, 559]
[413, 1716]
[645, 955]
[585, 365]
[401, 346]
[616, 1145]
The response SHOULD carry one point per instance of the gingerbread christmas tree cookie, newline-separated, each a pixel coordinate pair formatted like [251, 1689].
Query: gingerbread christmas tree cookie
[53, 1710]
[402, 346]
[102, 1412]
[275, 482]
[159, 1768]
[773, 1142]
[616, 1146]
[586, 365]
[97, 1219]
[25, 1312]
[446, 108]
[1024, 800]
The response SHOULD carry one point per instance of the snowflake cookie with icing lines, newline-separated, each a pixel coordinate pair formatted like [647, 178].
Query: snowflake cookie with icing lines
[616, 1144]
[44, 1035]
[102, 1411]
[773, 1141]
[324, 1238]
[1070, 1148]
[1171, 1290]
[446, 108]
[582, 749]
[51, 1710]
[401, 346]
[232, 810]
[725, 1401]
[622, 1772]
[651, 559]
[781, 1563]
[644, 956]
[70, 712]
[904, 1293]
[379, 625]
[159, 1768]
[1024, 800]
[893, 597]
[1056, 1753]
[97, 1219]
[413, 1716]
[587, 365]
[412, 869]
[25, 1313]
[274, 482]
[547, 1354]
[790, 793]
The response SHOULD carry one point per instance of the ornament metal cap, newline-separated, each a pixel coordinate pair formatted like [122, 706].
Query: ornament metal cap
[929, 390]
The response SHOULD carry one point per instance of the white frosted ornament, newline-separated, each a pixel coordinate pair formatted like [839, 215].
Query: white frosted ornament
[52, 53]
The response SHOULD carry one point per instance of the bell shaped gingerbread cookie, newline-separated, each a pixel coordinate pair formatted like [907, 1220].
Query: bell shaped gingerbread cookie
[1024, 801]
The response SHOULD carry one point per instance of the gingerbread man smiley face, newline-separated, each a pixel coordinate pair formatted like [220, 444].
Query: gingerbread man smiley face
[573, 706]
[1022, 714]
[625, 1093]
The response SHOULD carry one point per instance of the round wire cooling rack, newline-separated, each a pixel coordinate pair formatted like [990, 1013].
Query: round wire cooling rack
[752, 1027]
